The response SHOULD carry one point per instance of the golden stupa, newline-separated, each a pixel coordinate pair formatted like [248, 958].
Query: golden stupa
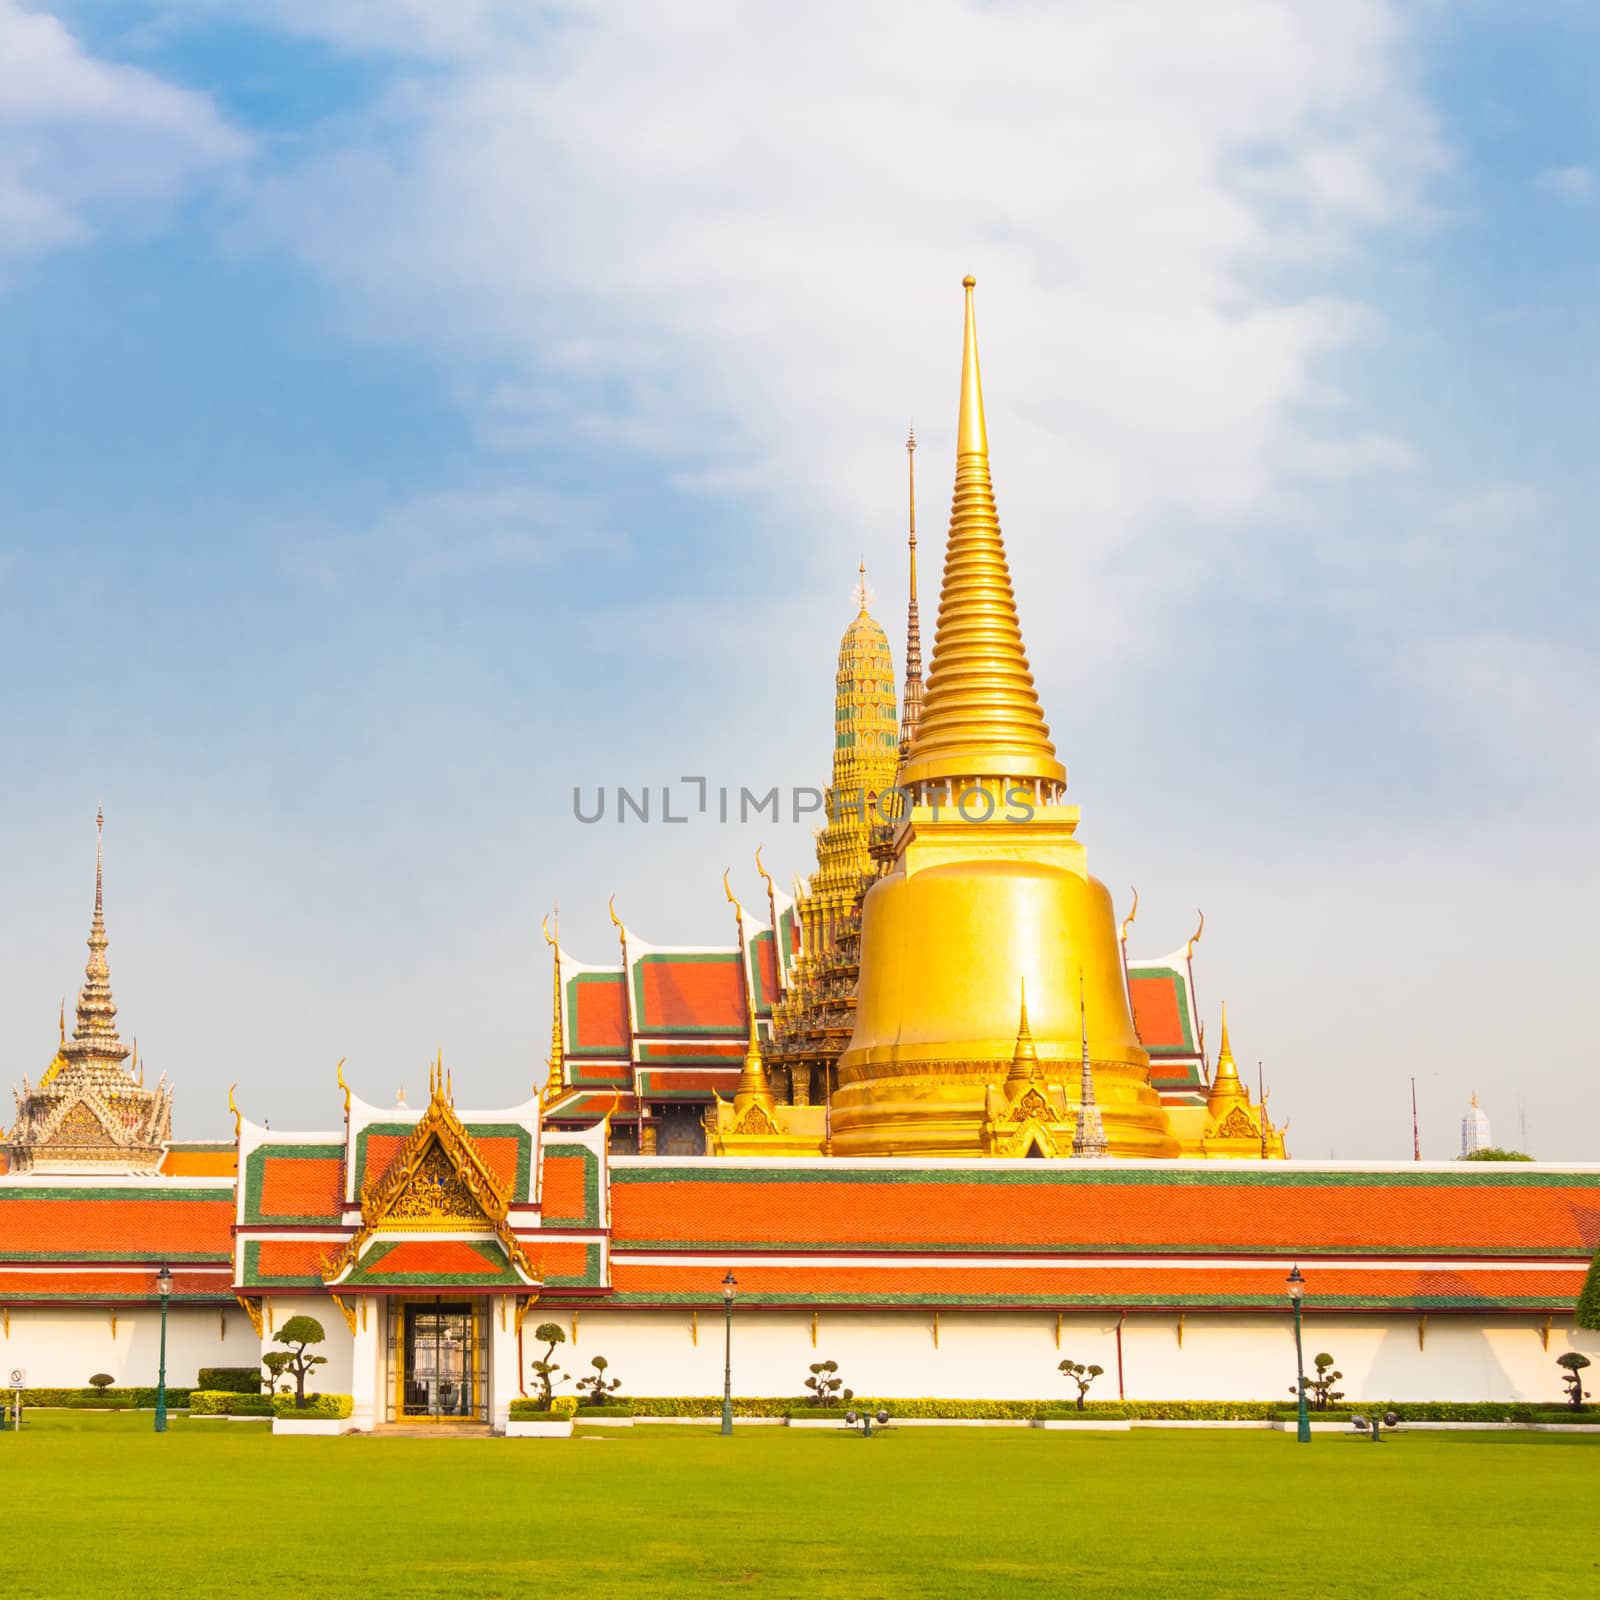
[988, 889]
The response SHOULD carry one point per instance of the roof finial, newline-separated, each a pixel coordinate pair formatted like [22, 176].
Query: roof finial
[94, 1039]
[1133, 912]
[1194, 938]
[234, 1108]
[981, 721]
[338, 1078]
[63, 1019]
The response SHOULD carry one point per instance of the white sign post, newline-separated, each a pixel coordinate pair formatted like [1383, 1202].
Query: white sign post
[18, 1379]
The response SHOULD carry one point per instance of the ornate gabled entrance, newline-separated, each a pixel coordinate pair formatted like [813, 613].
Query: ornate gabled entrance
[437, 1360]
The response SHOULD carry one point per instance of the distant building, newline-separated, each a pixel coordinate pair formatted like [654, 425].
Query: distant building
[1475, 1129]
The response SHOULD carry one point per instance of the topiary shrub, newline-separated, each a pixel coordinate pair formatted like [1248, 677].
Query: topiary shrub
[826, 1387]
[101, 1381]
[1082, 1375]
[550, 1334]
[297, 1336]
[1572, 1365]
[596, 1390]
[1320, 1391]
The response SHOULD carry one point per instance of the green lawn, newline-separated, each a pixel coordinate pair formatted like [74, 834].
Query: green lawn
[97, 1505]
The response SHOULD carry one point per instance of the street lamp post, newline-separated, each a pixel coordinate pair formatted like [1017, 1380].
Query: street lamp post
[164, 1289]
[730, 1287]
[1297, 1290]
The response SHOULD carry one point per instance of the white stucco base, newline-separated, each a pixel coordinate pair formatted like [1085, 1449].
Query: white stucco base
[538, 1430]
[316, 1427]
[1013, 1355]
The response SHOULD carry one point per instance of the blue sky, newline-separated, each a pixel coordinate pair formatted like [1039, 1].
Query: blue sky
[407, 413]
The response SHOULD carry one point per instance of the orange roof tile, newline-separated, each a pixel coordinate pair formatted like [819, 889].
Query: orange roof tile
[105, 1224]
[301, 1186]
[690, 992]
[1154, 1212]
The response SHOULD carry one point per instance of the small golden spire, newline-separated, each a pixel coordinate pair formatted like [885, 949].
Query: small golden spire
[753, 1080]
[338, 1078]
[981, 718]
[1025, 1058]
[63, 1020]
[1227, 1074]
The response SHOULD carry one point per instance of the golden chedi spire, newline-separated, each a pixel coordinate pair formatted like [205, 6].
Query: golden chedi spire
[987, 883]
[1233, 1125]
[980, 717]
[866, 748]
[1225, 1080]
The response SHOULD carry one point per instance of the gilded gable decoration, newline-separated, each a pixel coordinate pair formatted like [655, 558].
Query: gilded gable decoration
[438, 1182]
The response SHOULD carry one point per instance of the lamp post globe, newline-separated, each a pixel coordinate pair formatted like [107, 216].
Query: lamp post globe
[730, 1287]
[1296, 1286]
[164, 1289]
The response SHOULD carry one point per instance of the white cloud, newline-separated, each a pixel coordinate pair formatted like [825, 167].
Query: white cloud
[1575, 184]
[732, 238]
[82, 138]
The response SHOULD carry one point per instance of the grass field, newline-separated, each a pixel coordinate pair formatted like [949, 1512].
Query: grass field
[99, 1506]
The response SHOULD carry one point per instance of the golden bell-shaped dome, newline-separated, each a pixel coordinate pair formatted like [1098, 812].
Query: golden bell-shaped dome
[984, 896]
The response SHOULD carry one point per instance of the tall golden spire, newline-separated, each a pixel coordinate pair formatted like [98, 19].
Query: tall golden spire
[911, 700]
[94, 1039]
[981, 719]
[556, 1077]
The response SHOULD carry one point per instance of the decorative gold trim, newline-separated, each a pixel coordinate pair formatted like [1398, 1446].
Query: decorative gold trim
[694, 1328]
[574, 1327]
[1058, 1330]
[1422, 1332]
[233, 1107]
[222, 1327]
[813, 1330]
[438, 1125]
[338, 1075]
[525, 1304]
[113, 1324]
[936, 1330]
[1181, 1316]
[346, 1310]
[6, 1313]
[1544, 1333]
[1194, 938]
[252, 1309]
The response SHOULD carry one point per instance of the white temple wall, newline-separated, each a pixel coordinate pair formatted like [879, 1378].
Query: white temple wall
[998, 1355]
[64, 1346]
[1014, 1355]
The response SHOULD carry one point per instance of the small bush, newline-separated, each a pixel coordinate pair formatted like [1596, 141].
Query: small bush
[318, 1407]
[108, 1399]
[102, 1380]
[230, 1380]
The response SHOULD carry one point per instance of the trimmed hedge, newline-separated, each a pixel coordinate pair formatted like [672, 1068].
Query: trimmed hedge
[230, 1380]
[561, 1408]
[318, 1407]
[229, 1403]
[618, 1408]
[710, 1407]
[87, 1399]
